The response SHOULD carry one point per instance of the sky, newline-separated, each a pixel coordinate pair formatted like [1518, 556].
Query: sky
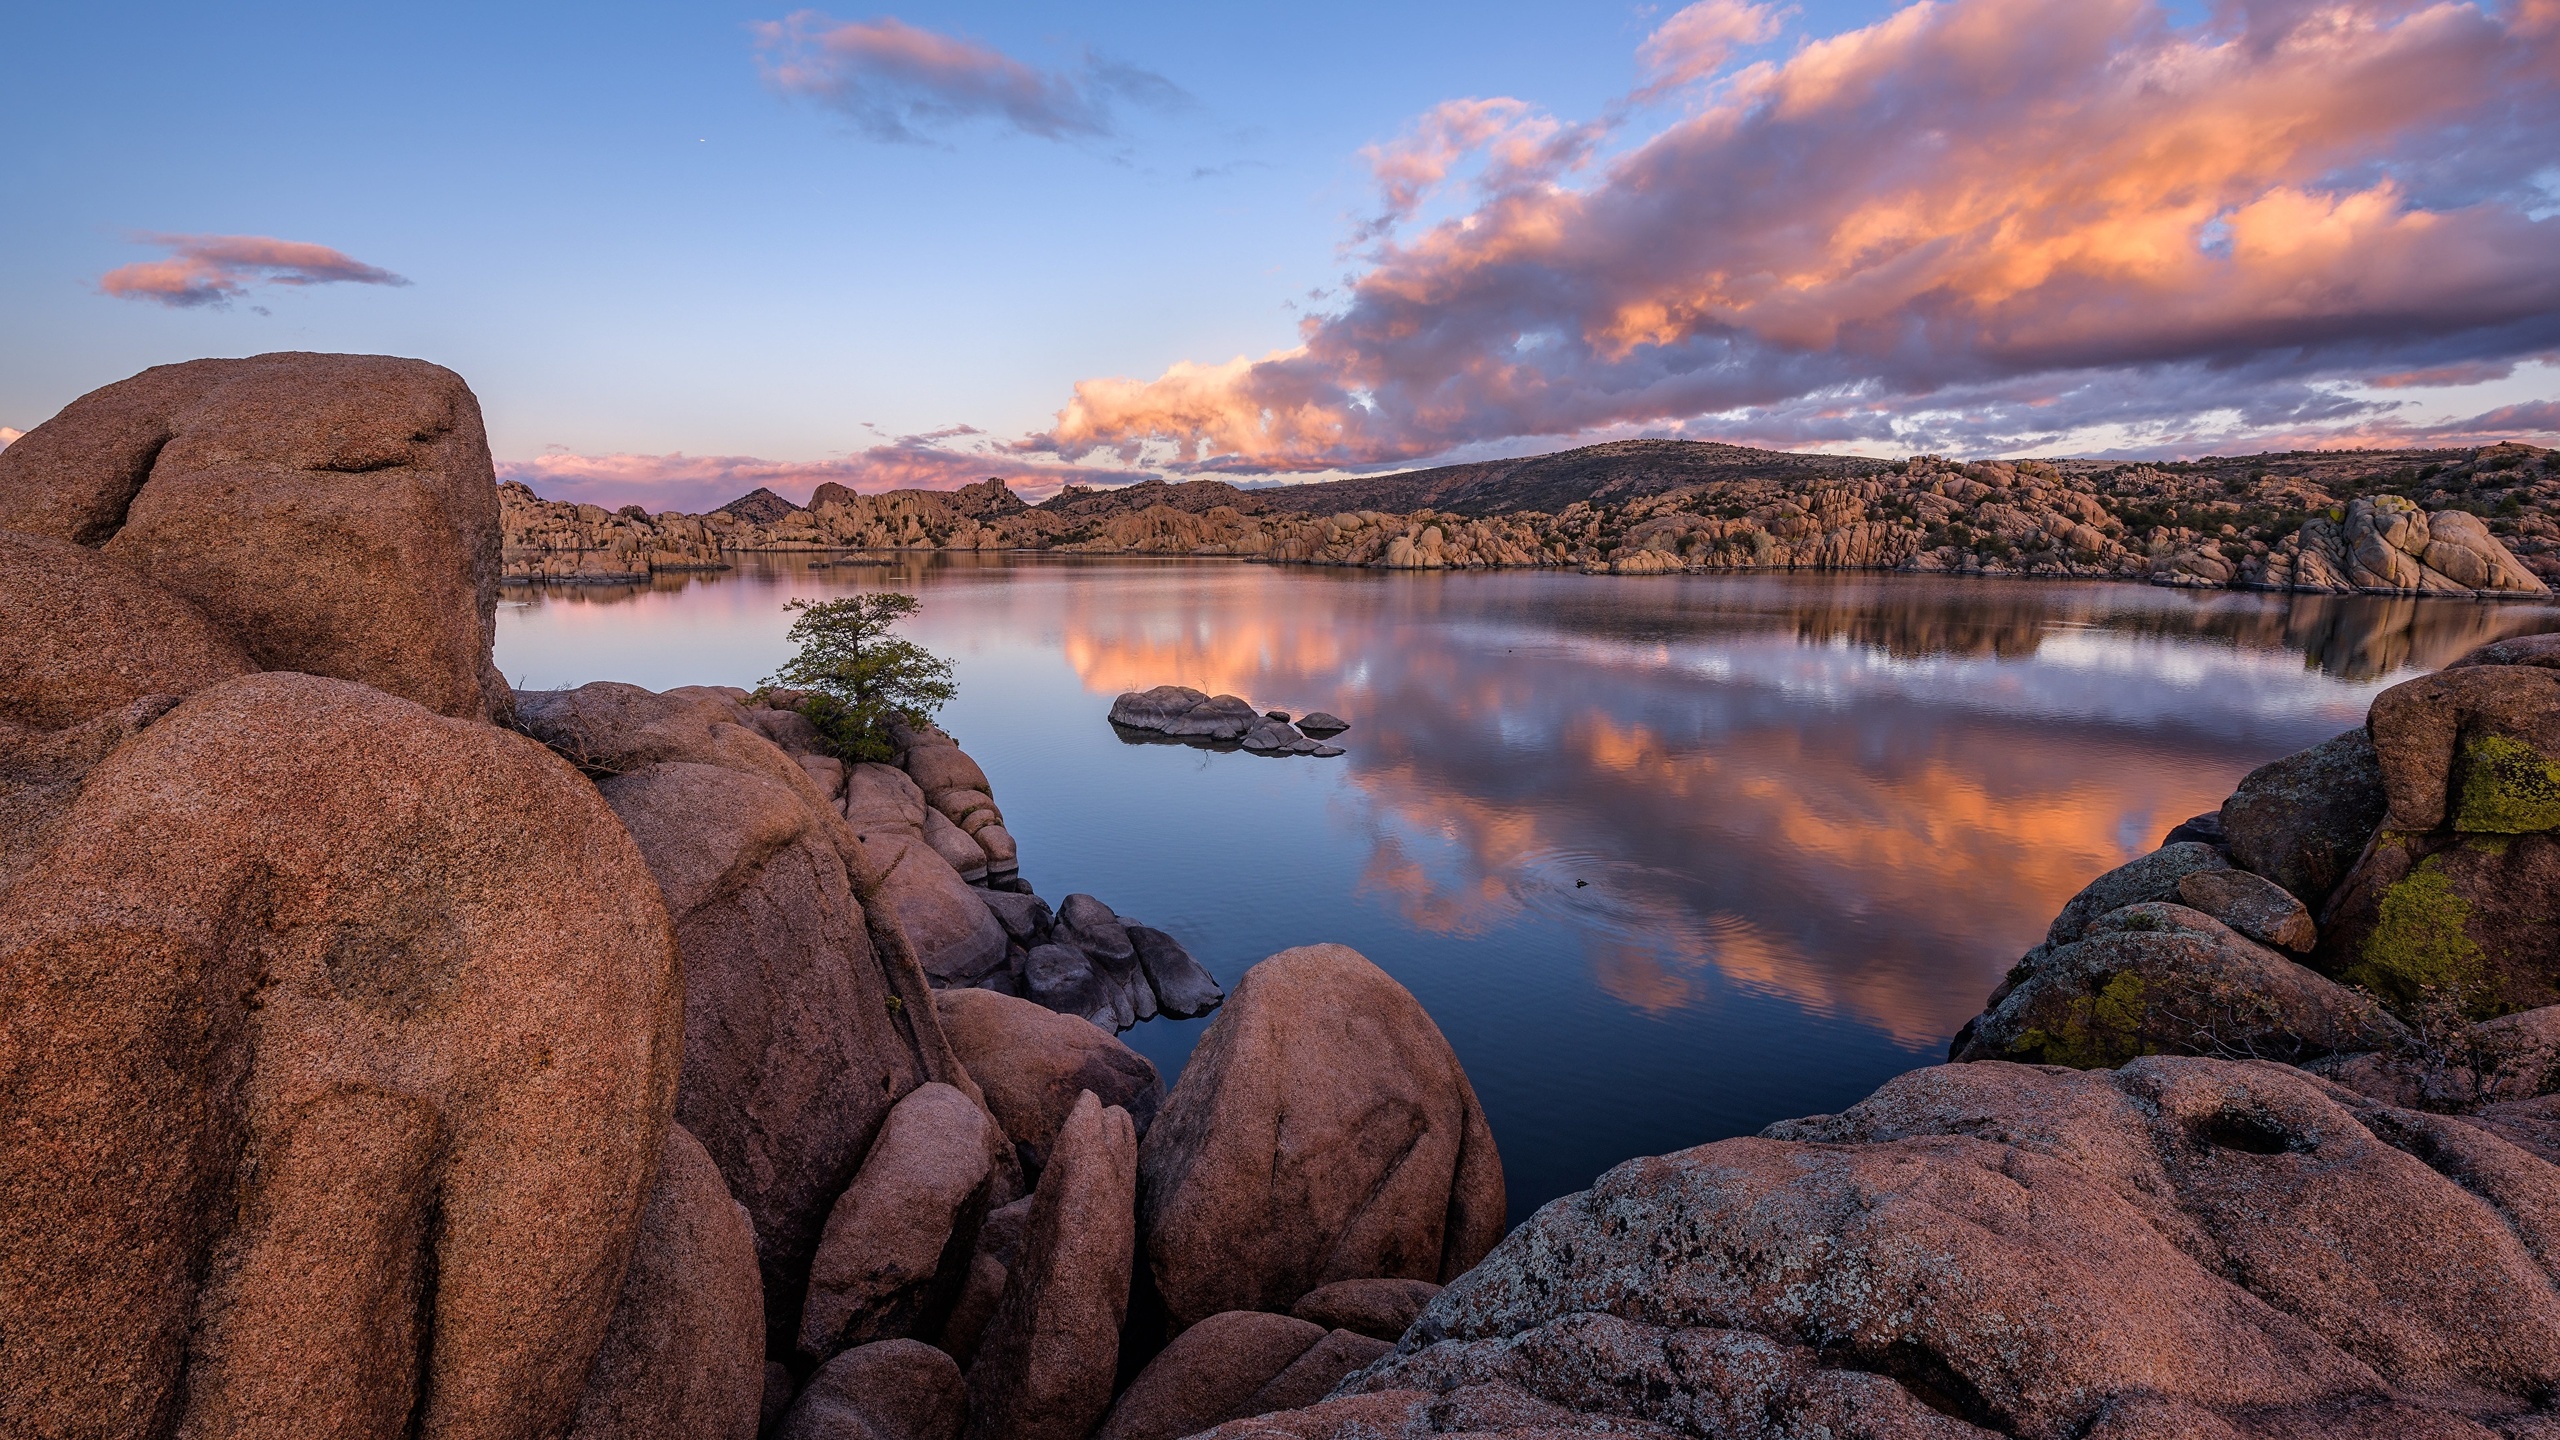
[679, 250]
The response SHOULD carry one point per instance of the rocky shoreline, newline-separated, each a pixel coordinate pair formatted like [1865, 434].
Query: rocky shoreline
[395, 1053]
[2468, 523]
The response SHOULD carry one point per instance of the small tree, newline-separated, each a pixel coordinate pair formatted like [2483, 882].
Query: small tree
[864, 677]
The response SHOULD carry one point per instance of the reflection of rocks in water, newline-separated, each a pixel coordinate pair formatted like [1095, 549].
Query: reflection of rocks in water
[2365, 637]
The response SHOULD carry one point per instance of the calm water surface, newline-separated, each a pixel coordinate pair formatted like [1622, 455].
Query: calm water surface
[1666, 858]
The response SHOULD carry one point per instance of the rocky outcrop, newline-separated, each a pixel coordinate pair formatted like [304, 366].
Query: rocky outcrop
[317, 999]
[955, 939]
[2183, 1246]
[684, 1354]
[2288, 522]
[2303, 820]
[1380, 1309]
[1045, 1366]
[1211, 1372]
[1321, 1131]
[794, 1053]
[334, 514]
[86, 636]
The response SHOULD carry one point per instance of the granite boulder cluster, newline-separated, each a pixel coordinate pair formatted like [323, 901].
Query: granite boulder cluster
[1180, 713]
[391, 1053]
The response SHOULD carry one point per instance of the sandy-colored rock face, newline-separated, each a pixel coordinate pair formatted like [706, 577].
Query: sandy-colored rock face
[315, 1000]
[1321, 1131]
[955, 937]
[84, 635]
[684, 1355]
[1044, 1367]
[335, 514]
[2181, 1247]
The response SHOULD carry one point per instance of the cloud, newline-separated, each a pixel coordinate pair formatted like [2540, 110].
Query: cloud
[217, 269]
[899, 82]
[9, 436]
[694, 483]
[2006, 214]
[1696, 42]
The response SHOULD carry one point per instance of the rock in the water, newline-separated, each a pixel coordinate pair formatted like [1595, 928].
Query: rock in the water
[2253, 905]
[1026, 918]
[1183, 988]
[685, 1353]
[84, 635]
[1208, 1374]
[792, 1053]
[2205, 829]
[1033, 1063]
[1089, 926]
[2180, 1247]
[1181, 711]
[1061, 978]
[335, 514]
[2301, 821]
[1045, 1365]
[1322, 1131]
[1277, 737]
[1317, 722]
[315, 1004]
[2151, 877]
[888, 1390]
[1381, 1309]
[896, 1249]
[2159, 978]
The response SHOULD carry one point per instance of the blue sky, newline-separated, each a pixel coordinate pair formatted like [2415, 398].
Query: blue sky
[632, 242]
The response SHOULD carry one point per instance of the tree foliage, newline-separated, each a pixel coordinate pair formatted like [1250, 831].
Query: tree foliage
[863, 677]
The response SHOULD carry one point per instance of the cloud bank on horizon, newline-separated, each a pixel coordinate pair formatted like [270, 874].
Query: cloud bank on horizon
[696, 483]
[1976, 225]
[217, 269]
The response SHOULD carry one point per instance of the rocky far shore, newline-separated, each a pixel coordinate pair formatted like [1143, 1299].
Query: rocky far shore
[2449, 522]
[393, 1053]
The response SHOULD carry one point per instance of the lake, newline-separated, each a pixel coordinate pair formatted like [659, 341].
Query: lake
[1667, 858]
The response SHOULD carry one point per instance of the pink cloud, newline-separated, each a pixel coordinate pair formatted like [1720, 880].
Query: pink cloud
[217, 269]
[9, 436]
[1697, 41]
[1965, 203]
[897, 81]
[695, 483]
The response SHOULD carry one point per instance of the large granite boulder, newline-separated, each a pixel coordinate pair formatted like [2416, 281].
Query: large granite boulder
[2183, 1247]
[2151, 877]
[684, 1356]
[1322, 1131]
[897, 1244]
[1381, 1309]
[83, 635]
[1032, 1064]
[335, 514]
[315, 1005]
[2301, 821]
[2158, 978]
[1092, 928]
[2447, 907]
[1046, 1362]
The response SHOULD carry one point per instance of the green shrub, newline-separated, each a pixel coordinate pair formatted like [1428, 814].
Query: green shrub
[863, 677]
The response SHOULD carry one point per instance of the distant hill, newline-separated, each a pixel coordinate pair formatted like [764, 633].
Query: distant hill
[758, 507]
[1616, 472]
